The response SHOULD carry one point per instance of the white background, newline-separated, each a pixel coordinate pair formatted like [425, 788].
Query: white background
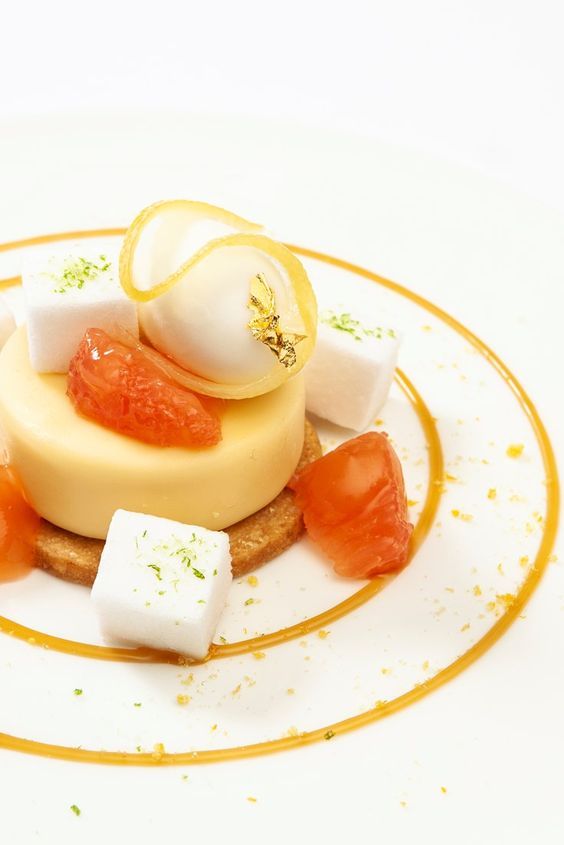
[478, 81]
[479, 84]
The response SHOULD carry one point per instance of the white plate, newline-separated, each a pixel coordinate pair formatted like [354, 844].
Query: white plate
[464, 586]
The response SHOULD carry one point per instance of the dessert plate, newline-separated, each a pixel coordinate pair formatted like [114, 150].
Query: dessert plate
[308, 662]
[482, 489]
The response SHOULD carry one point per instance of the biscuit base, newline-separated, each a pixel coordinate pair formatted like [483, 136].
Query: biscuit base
[253, 541]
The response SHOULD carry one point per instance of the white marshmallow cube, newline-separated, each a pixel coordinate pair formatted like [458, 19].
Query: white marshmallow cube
[349, 375]
[68, 292]
[162, 583]
[7, 323]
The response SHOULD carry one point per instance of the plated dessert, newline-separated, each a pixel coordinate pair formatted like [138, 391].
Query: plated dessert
[154, 406]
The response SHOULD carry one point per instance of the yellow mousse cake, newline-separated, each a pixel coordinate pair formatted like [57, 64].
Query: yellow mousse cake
[76, 473]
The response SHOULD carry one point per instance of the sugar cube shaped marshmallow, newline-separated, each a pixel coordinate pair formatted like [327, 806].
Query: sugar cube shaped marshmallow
[349, 375]
[162, 583]
[7, 323]
[68, 292]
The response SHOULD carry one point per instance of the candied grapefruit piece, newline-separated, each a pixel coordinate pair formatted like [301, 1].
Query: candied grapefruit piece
[122, 389]
[19, 525]
[354, 506]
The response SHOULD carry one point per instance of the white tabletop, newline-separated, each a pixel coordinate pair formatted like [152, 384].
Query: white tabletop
[479, 83]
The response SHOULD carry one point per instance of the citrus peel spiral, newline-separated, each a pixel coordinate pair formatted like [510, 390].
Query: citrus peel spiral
[250, 235]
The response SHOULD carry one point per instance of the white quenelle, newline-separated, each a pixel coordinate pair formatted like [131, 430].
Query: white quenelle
[67, 292]
[349, 375]
[162, 583]
[7, 323]
[203, 321]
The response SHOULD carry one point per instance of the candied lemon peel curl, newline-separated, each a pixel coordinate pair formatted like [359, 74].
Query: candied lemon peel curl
[248, 234]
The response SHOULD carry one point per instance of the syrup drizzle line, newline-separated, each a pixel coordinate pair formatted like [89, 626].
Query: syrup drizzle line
[529, 585]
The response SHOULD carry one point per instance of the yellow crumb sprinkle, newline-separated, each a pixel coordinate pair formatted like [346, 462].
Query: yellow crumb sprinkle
[492, 493]
[523, 561]
[403, 803]
[379, 421]
[237, 690]
[450, 477]
[465, 517]
[412, 502]
[500, 569]
[515, 450]
[465, 627]
[252, 799]
[477, 590]
[292, 731]
[250, 681]
[158, 751]
[491, 606]
[322, 634]
[183, 699]
[553, 558]
[252, 581]
[385, 671]
[259, 655]
[443, 790]
[505, 599]
[426, 328]
[213, 727]
[188, 680]
[425, 665]
[381, 702]
[290, 691]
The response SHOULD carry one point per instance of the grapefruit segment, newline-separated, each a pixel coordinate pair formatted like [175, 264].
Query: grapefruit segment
[354, 506]
[122, 389]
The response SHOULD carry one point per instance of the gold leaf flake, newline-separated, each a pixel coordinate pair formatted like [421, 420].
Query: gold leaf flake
[265, 323]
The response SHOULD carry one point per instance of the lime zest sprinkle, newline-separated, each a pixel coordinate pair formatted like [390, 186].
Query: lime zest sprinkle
[77, 691]
[346, 323]
[76, 810]
[156, 569]
[77, 271]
